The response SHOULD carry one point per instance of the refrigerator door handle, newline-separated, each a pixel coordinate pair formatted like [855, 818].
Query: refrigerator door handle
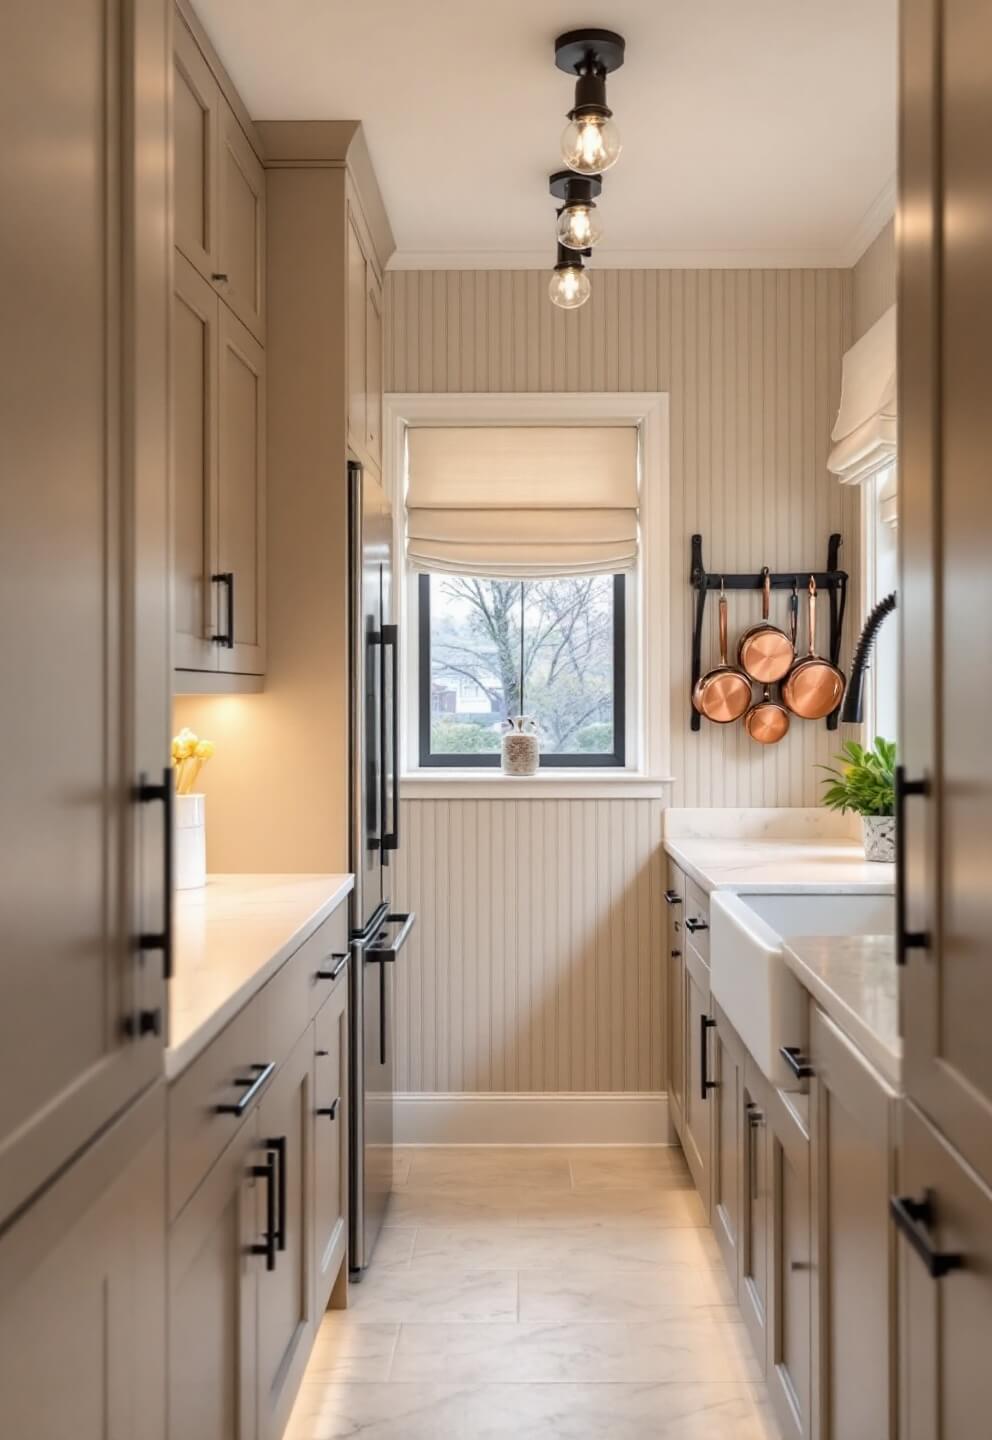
[391, 832]
[382, 955]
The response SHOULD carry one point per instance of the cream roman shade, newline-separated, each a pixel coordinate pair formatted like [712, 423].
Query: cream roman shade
[522, 501]
[864, 434]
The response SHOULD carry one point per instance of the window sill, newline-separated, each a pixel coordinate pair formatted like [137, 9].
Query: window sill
[561, 785]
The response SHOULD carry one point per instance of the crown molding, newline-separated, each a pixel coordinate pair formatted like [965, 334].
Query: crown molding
[873, 222]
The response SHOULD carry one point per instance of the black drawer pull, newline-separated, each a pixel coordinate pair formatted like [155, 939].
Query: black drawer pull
[331, 1111]
[705, 1084]
[676, 954]
[226, 637]
[672, 897]
[905, 939]
[335, 970]
[693, 923]
[278, 1146]
[267, 1172]
[913, 1217]
[255, 1084]
[161, 939]
[792, 1056]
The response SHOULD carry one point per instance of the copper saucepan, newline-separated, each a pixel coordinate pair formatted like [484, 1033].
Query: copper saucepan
[767, 720]
[814, 686]
[723, 693]
[765, 651]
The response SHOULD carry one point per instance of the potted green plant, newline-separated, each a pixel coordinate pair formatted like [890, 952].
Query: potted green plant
[865, 784]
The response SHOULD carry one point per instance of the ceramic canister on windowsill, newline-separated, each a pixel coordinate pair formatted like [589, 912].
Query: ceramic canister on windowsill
[520, 748]
[191, 841]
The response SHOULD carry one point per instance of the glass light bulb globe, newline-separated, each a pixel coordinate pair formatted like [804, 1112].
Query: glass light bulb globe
[569, 287]
[590, 143]
[578, 227]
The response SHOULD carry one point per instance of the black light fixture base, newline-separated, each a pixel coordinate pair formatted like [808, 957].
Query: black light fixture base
[574, 189]
[580, 50]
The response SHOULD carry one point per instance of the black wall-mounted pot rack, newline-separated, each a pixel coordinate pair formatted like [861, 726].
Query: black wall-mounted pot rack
[832, 580]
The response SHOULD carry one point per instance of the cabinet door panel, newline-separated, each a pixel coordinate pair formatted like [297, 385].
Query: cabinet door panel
[330, 1143]
[212, 1280]
[82, 1294]
[241, 494]
[727, 1155]
[241, 260]
[790, 1361]
[674, 896]
[696, 1139]
[357, 340]
[195, 352]
[373, 370]
[755, 1208]
[195, 107]
[285, 1303]
[78, 856]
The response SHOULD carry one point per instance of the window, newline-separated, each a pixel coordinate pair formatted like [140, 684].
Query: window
[882, 556]
[569, 632]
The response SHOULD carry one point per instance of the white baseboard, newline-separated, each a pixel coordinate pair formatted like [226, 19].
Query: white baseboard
[561, 1118]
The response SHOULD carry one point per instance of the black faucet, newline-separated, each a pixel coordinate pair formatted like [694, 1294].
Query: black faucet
[852, 710]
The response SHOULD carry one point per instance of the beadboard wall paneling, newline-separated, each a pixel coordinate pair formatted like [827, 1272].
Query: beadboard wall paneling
[536, 963]
[875, 281]
[752, 362]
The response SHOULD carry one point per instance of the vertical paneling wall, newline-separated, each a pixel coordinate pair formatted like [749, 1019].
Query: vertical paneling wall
[537, 963]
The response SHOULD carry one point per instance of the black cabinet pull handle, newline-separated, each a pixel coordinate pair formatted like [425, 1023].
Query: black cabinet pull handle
[792, 1056]
[754, 1119]
[706, 1022]
[161, 939]
[913, 1217]
[335, 970]
[255, 1083]
[676, 954]
[267, 1172]
[672, 897]
[905, 939]
[693, 923]
[278, 1147]
[226, 637]
[218, 275]
[330, 1110]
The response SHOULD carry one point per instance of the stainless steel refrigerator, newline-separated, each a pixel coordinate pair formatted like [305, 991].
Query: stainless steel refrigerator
[379, 930]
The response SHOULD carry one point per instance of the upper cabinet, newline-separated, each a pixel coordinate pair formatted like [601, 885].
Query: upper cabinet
[364, 368]
[218, 383]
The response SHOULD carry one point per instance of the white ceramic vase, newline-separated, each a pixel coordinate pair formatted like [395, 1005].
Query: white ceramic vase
[191, 841]
[520, 749]
[880, 837]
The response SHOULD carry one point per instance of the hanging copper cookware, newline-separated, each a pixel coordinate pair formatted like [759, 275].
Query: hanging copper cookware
[767, 720]
[814, 686]
[765, 652]
[723, 693]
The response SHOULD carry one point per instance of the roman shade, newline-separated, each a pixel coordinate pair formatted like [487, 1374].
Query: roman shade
[516, 502]
[864, 434]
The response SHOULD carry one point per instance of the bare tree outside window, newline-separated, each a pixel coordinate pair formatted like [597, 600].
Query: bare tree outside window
[569, 663]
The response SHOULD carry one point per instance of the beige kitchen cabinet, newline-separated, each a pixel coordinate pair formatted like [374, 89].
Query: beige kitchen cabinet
[373, 368]
[728, 1058]
[790, 1363]
[285, 1292]
[696, 1137]
[675, 966]
[241, 498]
[364, 342]
[218, 184]
[84, 618]
[853, 1113]
[945, 1288]
[755, 1261]
[82, 1294]
[213, 1281]
[330, 1149]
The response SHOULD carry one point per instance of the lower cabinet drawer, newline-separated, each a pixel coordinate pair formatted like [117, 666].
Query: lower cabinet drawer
[330, 1149]
[697, 919]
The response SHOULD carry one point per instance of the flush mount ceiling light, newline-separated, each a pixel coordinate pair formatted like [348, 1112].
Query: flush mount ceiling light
[569, 287]
[578, 223]
[590, 141]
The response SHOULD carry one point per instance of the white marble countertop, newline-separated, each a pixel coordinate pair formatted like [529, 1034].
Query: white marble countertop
[780, 866]
[854, 979]
[231, 936]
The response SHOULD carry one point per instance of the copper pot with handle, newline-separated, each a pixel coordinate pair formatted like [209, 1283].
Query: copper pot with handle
[765, 652]
[723, 693]
[814, 686]
[767, 720]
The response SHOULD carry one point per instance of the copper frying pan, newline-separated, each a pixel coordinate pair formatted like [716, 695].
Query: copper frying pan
[767, 720]
[765, 651]
[813, 687]
[723, 693]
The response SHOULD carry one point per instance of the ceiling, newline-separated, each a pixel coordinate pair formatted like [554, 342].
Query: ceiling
[756, 132]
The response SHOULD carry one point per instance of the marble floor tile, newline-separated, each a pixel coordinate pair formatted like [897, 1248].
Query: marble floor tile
[430, 1293]
[420, 1411]
[486, 1205]
[350, 1349]
[619, 1168]
[469, 1167]
[679, 1205]
[394, 1246]
[624, 1295]
[699, 1344]
[612, 1246]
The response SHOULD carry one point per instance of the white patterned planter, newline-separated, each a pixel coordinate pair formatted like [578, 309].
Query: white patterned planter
[880, 837]
[520, 749]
